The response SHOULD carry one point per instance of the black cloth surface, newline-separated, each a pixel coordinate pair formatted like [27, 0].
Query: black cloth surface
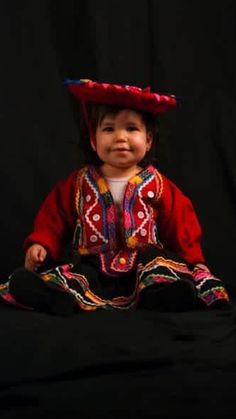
[134, 364]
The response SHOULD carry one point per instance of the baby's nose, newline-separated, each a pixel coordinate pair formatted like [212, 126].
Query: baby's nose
[121, 135]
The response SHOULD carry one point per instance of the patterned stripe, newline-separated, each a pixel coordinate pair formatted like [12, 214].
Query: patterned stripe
[163, 262]
[94, 188]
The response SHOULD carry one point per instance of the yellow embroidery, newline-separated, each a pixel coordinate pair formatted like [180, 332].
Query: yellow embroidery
[132, 241]
[83, 251]
[102, 185]
[136, 180]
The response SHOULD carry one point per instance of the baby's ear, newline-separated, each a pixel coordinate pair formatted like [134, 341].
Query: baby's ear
[93, 143]
[149, 140]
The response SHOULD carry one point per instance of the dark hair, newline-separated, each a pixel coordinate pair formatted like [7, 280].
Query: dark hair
[96, 114]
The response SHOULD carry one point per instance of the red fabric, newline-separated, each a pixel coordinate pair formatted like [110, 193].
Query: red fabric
[179, 227]
[55, 221]
[126, 96]
[177, 222]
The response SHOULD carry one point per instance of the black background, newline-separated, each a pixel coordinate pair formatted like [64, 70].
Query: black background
[134, 364]
[182, 47]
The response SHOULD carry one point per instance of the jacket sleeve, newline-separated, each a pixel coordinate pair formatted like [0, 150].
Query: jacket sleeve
[55, 221]
[178, 224]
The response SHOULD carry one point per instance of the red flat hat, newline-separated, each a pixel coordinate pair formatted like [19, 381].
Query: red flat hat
[126, 96]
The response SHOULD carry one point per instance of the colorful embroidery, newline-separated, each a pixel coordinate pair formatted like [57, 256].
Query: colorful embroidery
[158, 270]
[98, 217]
[209, 288]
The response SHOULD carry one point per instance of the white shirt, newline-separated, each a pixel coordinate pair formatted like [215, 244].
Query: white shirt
[117, 188]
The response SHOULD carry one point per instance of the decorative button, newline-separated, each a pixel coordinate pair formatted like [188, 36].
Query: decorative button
[93, 238]
[140, 214]
[143, 232]
[122, 261]
[96, 217]
[88, 198]
[150, 194]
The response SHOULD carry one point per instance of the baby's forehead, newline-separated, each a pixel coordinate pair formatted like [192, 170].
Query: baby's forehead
[123, 114]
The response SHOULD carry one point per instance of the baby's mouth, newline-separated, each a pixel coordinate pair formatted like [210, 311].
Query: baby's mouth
[121, 149]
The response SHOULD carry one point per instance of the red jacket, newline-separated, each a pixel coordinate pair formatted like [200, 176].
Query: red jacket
[81, 209]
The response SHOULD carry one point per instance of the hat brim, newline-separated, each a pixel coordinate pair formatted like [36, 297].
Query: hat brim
[126, 96]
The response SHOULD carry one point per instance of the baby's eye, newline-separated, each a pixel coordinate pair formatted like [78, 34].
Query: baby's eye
[132, 128]
[107, 129]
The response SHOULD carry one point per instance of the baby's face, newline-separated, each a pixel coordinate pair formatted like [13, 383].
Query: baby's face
[122, 140]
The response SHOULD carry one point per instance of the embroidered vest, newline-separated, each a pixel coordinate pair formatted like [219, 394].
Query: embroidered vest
[95, 231]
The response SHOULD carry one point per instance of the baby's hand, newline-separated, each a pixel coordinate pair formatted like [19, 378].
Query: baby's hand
[34, 257]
